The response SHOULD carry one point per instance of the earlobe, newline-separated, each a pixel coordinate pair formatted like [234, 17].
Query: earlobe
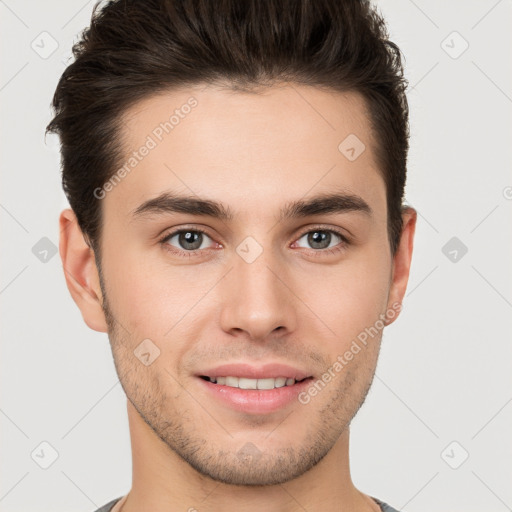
[402, 263]
[80, 271]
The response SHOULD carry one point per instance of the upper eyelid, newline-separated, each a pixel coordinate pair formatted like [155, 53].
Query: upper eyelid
[320, 228]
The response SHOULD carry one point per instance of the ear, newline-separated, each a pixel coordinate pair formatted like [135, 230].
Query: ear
[402, 262]
[80, 271]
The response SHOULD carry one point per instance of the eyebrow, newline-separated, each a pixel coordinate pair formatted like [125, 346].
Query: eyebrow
[322, 204]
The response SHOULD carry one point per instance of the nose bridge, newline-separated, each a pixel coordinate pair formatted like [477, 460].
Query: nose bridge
[255, 299]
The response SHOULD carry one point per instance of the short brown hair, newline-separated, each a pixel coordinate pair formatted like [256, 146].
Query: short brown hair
[136, 48]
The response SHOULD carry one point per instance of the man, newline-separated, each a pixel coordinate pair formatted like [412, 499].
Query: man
[236, 173]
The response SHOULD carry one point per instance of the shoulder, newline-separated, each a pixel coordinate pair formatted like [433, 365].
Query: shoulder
[384, 506]
[108, 507]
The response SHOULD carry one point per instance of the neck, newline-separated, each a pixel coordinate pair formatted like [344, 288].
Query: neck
[163, 482]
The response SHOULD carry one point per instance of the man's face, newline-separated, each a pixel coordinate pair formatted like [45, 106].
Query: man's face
[254, 289]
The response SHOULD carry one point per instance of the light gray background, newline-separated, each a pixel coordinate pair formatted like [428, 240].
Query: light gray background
[444, 372]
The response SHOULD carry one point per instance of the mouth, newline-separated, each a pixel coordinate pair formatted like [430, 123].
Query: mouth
[253, 389]
[248, 383]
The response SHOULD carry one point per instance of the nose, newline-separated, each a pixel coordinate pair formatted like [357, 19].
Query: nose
[256, 299]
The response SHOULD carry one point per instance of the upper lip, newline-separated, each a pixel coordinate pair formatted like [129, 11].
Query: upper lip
[265, 371]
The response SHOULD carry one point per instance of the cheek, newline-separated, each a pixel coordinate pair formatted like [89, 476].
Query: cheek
[166, 303]
[349, 297]
[147, 299]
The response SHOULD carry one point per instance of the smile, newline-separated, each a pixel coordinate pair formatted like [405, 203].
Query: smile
[246, 383]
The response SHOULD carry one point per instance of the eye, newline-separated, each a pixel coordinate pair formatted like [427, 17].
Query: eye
[188, 240]
[322, 239]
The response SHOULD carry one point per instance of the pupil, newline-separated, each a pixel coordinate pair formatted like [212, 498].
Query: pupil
[190, 240]
[317, 239]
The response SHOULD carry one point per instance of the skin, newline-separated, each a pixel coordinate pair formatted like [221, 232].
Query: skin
[294, 304]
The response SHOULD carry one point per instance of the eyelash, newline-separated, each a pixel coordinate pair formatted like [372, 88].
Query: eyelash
[189, 254]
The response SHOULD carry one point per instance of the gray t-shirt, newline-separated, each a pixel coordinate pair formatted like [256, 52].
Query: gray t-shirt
[383, 506]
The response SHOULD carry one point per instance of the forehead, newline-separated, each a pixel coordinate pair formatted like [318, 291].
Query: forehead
[247, 149]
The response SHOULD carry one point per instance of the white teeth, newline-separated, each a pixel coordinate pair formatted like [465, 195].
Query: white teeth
[245, 383]
[282, 381]
[266, 383]
[232, 382]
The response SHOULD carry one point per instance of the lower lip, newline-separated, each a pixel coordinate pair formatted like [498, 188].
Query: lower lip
[256, 401]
